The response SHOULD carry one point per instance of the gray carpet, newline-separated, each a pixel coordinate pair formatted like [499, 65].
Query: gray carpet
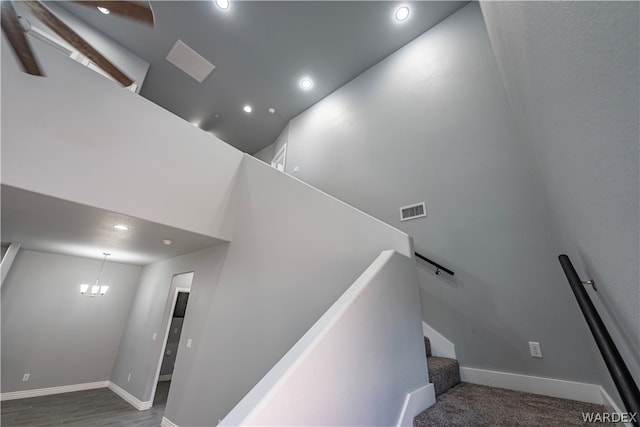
[476, 405]
[444, 373]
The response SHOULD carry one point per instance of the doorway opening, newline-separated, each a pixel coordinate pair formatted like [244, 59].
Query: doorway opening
[181, 285]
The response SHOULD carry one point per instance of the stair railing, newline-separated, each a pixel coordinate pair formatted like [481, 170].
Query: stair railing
[617, 368]
[435, 264]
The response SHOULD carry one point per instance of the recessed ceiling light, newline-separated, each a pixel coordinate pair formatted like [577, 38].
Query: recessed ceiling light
[121, 227]
[306, 83]
[167, 242]
[222, 4]
[103, 10]
[402, 13]
[272, 110]
[247, 108]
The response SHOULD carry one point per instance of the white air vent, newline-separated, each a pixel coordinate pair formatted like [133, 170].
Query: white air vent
[413, 211]
[189, 61]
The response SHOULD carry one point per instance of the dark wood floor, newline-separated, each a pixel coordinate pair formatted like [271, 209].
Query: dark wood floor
[98, 407]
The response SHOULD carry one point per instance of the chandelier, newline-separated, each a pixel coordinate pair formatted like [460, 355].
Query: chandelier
[96, 289]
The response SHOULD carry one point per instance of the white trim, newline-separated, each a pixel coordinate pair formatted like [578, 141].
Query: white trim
[611, 406]
[131, 399]
[416, 402]
[167, 423]
[7, 260]
[165, 377]
[281, 154]
[583, 392]
[43, 36]
[22, 394]
[440, 346]
[166, 333]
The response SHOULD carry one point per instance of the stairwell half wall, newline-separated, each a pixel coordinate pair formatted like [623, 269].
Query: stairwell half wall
[77, 136]
[356, 364]
[293, 253]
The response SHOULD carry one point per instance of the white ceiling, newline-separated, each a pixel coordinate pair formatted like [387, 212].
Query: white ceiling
[261, 49]
[47, 224]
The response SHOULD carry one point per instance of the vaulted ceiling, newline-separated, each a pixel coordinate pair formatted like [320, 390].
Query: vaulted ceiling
[261, 50]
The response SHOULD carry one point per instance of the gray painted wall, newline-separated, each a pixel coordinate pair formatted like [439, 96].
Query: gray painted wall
[268, 153]
[279, 276]
[46, 159]
[356, 364]
[573, 82]
[52, 332]
[432, 123]
[139, 354]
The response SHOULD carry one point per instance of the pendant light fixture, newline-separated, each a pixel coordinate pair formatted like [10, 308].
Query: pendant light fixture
[96, 289]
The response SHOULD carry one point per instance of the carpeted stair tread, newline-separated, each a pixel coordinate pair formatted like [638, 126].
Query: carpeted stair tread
[473, 405]
[444, 373]
[427, 346]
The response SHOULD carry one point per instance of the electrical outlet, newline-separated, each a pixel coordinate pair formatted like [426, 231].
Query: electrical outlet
[534, 349]
[25, 377]
[154, 336]
[129, 377]
[189, 341]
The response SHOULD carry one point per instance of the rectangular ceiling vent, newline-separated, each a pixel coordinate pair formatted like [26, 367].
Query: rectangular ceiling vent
[189, 61]
[414, 211]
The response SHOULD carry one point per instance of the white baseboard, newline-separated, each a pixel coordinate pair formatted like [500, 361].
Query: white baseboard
[165, 378]
[131, 399]
[167, 423]
[416, 402]
[583, 392]
[52, 390]
[611, 406]
[440, 346]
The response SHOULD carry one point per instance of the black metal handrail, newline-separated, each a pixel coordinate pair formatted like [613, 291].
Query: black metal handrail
[438, 266]
[617, 368]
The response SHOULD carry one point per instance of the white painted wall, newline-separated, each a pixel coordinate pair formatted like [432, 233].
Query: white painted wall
[355, 365]
[77, 136]
[51, 331]
[572, 81]
[294, 251]
[432, 123]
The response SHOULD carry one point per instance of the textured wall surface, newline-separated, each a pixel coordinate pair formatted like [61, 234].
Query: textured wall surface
[432, 123]
[572, 74]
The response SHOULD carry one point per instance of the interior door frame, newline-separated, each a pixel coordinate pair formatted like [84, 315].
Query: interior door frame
[280, 157]
[166, 333]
